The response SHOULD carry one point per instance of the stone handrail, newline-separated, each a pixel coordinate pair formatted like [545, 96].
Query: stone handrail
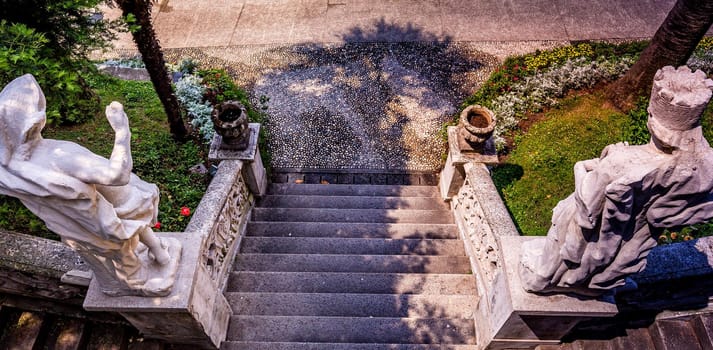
[481, 216]
[33, 267]
[223, 212]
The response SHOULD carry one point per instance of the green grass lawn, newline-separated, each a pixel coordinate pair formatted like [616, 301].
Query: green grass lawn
[157, 158]
[538, 172]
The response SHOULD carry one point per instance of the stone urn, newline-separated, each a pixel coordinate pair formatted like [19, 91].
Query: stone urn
[230, 121]
[475, 127]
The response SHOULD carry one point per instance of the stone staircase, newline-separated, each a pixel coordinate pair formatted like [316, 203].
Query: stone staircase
[351, 267]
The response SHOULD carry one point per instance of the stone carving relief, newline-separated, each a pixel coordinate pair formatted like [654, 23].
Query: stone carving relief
[96, 205]
[478, 231]
[226, 229]
[625, 198]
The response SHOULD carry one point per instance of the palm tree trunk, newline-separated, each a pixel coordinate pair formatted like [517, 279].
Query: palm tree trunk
[672, 45]
[145, 39]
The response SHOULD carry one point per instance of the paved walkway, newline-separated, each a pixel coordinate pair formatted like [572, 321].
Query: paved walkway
[202, 23]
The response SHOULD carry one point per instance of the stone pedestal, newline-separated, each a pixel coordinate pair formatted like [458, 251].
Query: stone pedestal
[194, 313]
[508, 317]
[453, 174]
[253, 170]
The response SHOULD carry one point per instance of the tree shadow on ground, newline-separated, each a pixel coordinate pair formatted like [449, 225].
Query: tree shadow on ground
[379, 105]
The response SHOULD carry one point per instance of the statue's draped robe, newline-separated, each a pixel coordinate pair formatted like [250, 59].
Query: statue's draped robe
[90, 218]
[604, 230]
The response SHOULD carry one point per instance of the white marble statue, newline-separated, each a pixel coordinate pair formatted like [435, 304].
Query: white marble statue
[96, 205]
[625, 198]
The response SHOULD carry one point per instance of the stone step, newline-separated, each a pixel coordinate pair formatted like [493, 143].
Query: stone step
[353, 215]
[337, 282]
[243, 345]
[673, 335]
[592, 345]
[351, 330]
[352, 263]
[106, 336]
[703, 327]
[353, 202]
[635, 339]
[352, 305]
[356, 246]
[352, 230]
[21, 330]
[66, 334]
[353, 190]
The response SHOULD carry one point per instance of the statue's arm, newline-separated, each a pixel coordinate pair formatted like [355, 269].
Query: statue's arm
[589, 189]
[78, 162]
[120, 161]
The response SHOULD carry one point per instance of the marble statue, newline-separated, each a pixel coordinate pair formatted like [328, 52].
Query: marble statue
[96, 205]
[624, 199]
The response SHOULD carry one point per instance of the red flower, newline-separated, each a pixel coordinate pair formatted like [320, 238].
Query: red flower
[185, 211]
[157, 225]
[515, 78]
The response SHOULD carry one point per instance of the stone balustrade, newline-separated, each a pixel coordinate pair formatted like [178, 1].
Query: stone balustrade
[677, 277]
[196, 312]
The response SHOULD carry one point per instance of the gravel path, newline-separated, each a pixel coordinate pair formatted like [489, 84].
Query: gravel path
[359, 105]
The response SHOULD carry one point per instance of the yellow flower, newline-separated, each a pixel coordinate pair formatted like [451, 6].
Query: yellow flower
[674, 235]
[687, 238]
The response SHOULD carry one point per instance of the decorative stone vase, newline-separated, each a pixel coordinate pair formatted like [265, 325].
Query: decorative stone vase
[475, 127]
[230, 121]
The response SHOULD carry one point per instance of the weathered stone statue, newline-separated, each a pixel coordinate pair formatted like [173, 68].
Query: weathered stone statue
[625, 198]
[96, 205]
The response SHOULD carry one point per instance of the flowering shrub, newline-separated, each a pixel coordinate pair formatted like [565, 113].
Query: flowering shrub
[220, 87]
[134, 62]
[558, 55]
[517, 68]
[189, 89]
[702, 57]
[686, 233]
[187, 66]
[200, 119]
[190, 92]
[543, 89]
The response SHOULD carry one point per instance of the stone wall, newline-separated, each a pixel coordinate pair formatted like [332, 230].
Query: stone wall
[33, 267]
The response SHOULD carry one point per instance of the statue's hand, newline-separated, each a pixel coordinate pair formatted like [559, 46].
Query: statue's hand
[588, 165]
[609, 148]
[117, 118]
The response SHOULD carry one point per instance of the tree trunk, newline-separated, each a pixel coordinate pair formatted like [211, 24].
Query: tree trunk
[672, 45]
[145, 39]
